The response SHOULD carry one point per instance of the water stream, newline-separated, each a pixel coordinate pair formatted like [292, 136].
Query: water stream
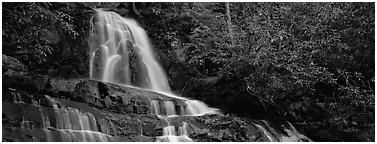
[73, 125]
[121, 53]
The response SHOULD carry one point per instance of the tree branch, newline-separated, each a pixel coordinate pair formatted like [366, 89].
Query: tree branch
[135, 10]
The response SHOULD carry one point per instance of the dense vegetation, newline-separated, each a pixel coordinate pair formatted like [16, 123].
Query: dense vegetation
[47, 37]
[317, 56]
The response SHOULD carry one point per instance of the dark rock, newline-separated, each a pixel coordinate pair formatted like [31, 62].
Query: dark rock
[110, 105]
[64, 85]
[227, 135]
[151, 125]
[218, 127]
[121, 113]
[118, 98]
[87, 92]
[14, 76]
[21, 97]
[25, 121]
[137, 138]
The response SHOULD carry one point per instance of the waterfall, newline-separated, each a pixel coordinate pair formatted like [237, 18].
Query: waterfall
[170, 134]
[121, 53]
[58, 123]
[73, 125]
[120, 43]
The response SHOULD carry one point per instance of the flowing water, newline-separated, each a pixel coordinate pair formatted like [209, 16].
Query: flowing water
[122, 54]
[71, 124]
[125, 53]
[271, 133]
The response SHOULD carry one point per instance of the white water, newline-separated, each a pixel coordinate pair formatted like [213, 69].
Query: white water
[273, 136]
[73, 125]
[294, 135]
[170, 108]
[110, 35]
[170, 134]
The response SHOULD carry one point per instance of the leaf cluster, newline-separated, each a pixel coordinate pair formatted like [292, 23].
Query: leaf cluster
[31, 30]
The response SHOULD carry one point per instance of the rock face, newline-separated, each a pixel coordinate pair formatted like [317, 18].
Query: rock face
[40, 108]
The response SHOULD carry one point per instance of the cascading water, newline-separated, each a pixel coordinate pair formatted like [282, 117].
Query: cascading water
[292, 135]
[125, 53]
[74, 125]
[70, 124]
[122, 54]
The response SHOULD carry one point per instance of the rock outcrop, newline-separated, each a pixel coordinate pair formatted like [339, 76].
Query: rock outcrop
[40, 108]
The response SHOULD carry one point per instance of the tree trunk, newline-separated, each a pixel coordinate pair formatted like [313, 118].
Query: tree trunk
[229, 22]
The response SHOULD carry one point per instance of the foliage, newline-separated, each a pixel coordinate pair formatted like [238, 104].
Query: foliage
[27, 30]
[48, 38]
[320, 55]
[298, 46]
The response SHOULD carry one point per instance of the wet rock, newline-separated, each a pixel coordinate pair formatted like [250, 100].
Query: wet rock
[137, 138]
[28, 82]
[195, 131]
[64, 85]
[112, 112]
[151, 125]
[112, 97]
[217, 127]
[125, 126]
[118, 98]
[227, 134]
[25, 121]
[88, 92]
